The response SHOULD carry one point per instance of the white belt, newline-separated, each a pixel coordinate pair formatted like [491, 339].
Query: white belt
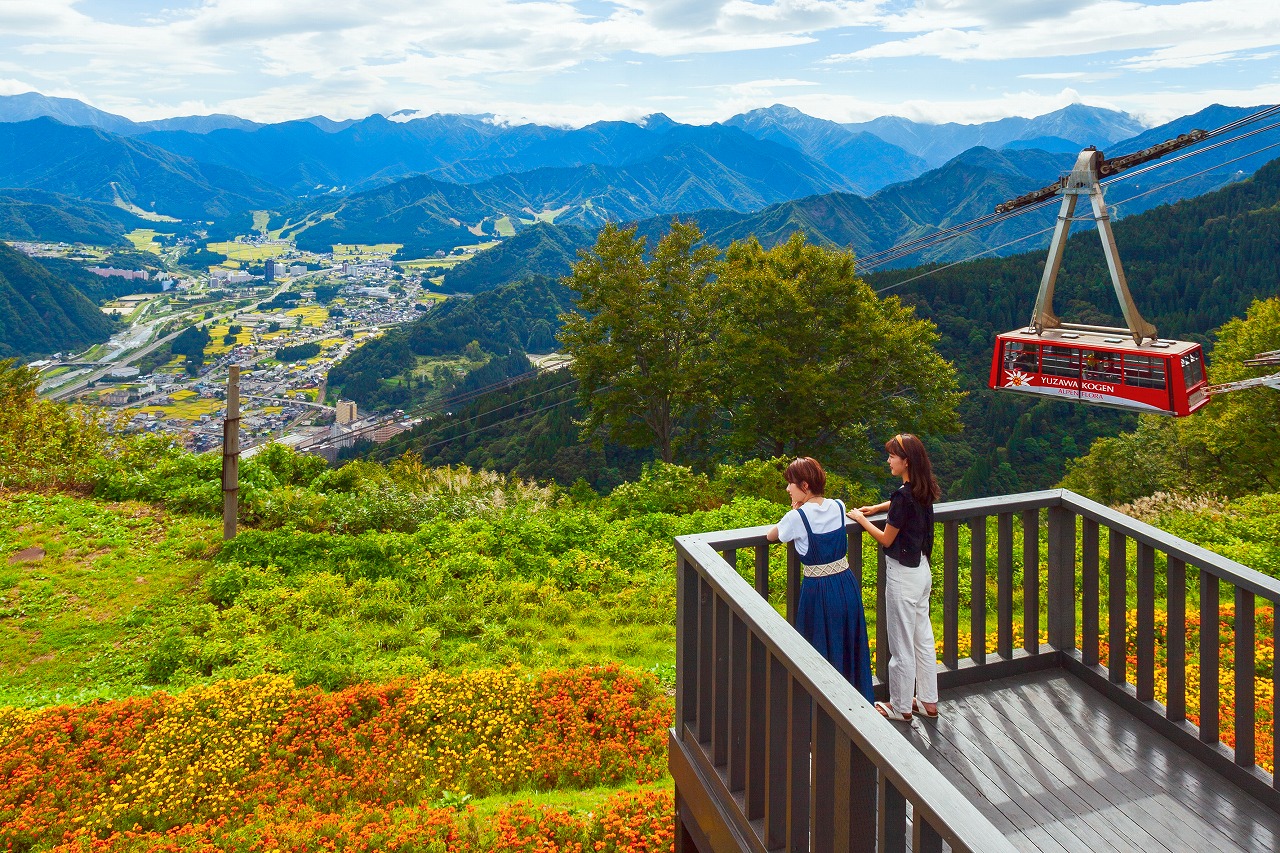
[825, 569]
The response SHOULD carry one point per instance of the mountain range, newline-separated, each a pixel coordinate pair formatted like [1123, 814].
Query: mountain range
[439, 181]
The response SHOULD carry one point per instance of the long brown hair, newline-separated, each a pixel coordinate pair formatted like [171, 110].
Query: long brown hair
[919, 472]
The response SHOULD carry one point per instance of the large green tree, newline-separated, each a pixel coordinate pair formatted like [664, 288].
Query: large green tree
[810, 361]
[640, 336]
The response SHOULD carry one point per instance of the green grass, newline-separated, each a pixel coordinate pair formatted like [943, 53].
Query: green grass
[144, 240]
[71, 620]
[504, 227]
[236, 251]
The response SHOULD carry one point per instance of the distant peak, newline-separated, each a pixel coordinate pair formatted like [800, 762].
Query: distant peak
[656, 121]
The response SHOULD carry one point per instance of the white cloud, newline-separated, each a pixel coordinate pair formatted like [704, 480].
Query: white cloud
[562, 62]
[1201, 28]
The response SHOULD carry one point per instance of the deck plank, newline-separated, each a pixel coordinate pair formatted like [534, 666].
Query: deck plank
[1108, 783]
[1059, 768]
[1074, 790]
[1217, 803]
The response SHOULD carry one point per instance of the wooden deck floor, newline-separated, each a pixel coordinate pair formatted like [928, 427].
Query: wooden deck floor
[1060, 769]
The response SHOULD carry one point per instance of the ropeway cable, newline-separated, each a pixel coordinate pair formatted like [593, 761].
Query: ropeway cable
[977, 255]
[876, 259]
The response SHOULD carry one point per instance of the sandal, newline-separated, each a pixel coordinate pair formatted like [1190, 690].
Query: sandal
[919, 708]
[890, 713]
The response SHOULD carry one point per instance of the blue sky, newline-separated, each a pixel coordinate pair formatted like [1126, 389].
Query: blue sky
[698, 61]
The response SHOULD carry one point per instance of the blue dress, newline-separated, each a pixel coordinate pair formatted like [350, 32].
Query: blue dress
[830, 613]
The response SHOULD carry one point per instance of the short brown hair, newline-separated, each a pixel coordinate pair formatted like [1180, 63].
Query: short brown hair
[806, 471]
[919, 472]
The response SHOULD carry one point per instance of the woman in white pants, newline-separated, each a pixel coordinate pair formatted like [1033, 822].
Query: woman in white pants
[907, 540]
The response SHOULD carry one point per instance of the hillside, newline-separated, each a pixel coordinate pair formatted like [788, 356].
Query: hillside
[968, 187]
[40, 215]
[94, 165]
[505, 322]
[42, 313]
[541, 249]
[710, 168]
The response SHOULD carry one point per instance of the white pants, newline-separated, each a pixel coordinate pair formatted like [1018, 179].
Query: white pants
[913, 659]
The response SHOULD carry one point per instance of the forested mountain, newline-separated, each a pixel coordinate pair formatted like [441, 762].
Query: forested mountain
[544, 250]
[515, 319]
[968, 187]
[94, 165]
[718, 168]
[41, 215]
[529, 429]
[42, 313]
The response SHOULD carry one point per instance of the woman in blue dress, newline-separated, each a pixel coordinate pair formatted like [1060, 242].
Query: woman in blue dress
[829, 614]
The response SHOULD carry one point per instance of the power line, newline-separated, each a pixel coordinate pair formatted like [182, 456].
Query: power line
[521, 416]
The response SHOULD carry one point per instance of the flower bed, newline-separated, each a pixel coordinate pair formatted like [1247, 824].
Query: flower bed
[262, 759]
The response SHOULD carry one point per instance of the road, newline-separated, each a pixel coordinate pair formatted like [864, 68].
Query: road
[70, 391]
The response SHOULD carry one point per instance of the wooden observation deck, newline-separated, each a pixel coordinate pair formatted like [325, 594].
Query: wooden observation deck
[1081, 743]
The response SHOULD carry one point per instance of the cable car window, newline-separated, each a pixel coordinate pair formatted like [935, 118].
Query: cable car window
[1144, 371]
[1192, 369]
[1060, 361]
[1021, 356]
[1102, 367]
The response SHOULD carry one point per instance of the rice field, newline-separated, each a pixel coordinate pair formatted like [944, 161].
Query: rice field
[144, 240]
[311, 315]
[189, 409]
[236, 251]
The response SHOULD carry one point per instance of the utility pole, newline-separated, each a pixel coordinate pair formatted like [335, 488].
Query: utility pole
[231, 454]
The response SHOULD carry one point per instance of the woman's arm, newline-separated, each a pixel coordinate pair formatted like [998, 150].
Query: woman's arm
[884, 537]
[872, 510]
[772, 535]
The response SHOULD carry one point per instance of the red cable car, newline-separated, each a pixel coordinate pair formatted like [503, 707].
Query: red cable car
[1161, 377]
[1122, 368]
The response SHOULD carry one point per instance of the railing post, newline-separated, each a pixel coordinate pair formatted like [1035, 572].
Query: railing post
[1089, 592]
[1176, 640]
[1031, 580]
[1062, 578]
[891, 818]
[686, 645]
[795, 576]
[1004, 585]
[950, 594]
[882, 620]
[1246, 684]
[762, 571]
[978, 591]
[1210, 658]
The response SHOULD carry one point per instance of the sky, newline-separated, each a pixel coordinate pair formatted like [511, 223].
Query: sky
[573, 62]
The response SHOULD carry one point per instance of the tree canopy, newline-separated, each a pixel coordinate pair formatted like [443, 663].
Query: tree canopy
[640, 335]
[761, 353]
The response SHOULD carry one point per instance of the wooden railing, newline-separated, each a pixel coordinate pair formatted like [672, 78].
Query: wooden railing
[772, 749]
